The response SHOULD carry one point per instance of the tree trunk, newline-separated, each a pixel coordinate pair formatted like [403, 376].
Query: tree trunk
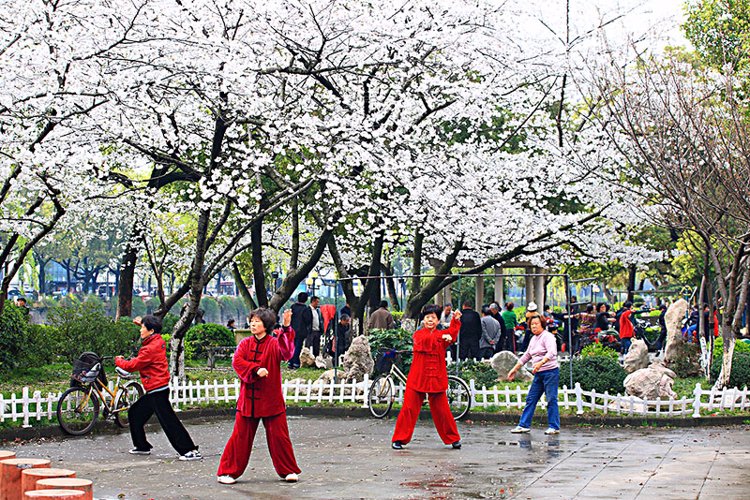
[371, 284]
[631, 282]
[294, 257]
[416, 266]
[259, 276]
[242, 287]
[347, 285]
[390, 284]
[125, 285]
[177, 341]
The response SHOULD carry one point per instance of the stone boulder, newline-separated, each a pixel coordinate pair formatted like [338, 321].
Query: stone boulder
[637, 356]
[673, 319]
[504, 361]
[306, 359]
[325, 362]
[651, 383]
[358, 361]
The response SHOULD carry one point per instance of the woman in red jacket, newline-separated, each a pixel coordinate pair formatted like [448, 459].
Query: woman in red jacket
[257, 362]
[152, 364]
[428, 376]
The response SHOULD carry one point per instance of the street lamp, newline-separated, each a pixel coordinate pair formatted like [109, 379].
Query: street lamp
[311, 282]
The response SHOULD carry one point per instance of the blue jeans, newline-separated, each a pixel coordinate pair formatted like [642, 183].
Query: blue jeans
[544, 383]
[625, 344]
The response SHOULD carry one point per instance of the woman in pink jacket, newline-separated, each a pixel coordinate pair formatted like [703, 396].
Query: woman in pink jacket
[542, 351]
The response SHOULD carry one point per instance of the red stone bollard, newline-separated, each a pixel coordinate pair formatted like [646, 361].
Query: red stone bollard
[10, 475]
[54, 495]
[29, 477]
[68, 483]
[5, 454]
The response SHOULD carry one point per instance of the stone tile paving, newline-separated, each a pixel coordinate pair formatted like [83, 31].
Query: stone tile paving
[351, 458]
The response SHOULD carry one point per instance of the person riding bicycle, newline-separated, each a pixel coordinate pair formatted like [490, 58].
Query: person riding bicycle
[429, 376]
[151, 363]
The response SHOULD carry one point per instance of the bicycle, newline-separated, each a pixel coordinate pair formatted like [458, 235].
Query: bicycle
[78, 407]
[381, 394]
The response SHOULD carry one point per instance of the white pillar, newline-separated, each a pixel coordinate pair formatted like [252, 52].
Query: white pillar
[499, 287]
[539, 296]
[529, 285]
[479, 295]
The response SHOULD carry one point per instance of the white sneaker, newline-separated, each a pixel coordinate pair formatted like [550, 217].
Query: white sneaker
[136, 451]
[520, 430]
[291, 478]
[191, 455]
[552, 431]
[226, 479]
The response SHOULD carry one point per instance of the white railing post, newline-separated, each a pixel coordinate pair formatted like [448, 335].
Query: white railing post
[697, 401]
[366, 385]
[25, 406]
[579, 399]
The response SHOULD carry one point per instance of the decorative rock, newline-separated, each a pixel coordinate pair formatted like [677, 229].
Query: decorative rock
[673, 319]
[56, 494]
[326, 376]
[29, 477]
[637, 356]
[325, 362]
[504, 361]
[650, 383]
[68, 483]
[637, 404]
[10, 475]
[358, 361]
[306, 358]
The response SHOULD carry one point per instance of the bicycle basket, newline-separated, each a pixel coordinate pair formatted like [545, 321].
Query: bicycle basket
[384, 361]
[84, 371]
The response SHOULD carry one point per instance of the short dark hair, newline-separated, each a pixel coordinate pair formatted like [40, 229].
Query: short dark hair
[509, 306]
[486, 310]
[344, 317]
[314, 298]
[590, 308]
[431, 309]
[267, 316]
[302, 297]
[21, 299]
[151, 322]
[384, 303]
[627, 304]
[467, 303]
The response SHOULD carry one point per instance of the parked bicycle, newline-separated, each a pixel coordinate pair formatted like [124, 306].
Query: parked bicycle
[382, 391]
[78, 407]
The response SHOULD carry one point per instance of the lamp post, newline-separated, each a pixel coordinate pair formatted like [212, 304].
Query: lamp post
[311, 282]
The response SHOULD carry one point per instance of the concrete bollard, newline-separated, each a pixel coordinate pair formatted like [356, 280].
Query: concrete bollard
[29, 477]
[68, 483]
[10, 475]
[55, 495]
[5, 454]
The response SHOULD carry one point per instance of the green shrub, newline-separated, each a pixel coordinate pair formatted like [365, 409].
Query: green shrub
[740, 376]
[13, 332]
[719, 349]
[687, 360]
[482, 373]
[597, 349]
[167, 324]
[139, 307]
[598, 373]
[396, 338]
[86, 327]
[41, 346]
[211, 309]
[167, 340]
[200, 337]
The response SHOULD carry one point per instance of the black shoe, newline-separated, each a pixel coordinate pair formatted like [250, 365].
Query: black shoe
[396, 445]
[456, 445]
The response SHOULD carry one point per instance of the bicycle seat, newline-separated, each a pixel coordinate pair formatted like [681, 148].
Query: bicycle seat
[123, 373]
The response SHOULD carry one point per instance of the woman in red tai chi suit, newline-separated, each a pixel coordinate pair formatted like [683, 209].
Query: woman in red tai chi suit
[258, 365]
[429, 376]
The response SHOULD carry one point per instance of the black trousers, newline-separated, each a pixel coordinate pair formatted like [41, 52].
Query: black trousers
[468, 347]
[158, 403]
[316, 342]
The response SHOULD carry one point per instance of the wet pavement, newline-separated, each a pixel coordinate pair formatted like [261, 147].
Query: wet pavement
[351, 458]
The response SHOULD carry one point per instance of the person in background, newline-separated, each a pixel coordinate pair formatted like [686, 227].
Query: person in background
[511, 322]
[381, 318]
[471, 332]
[231, 325]
[603, 319]
[627, 330]
[429, 377]
[490, 334]
[258, 365]
[662, 327]
[302, 326]
[317, 327]
[446, 316]
[542, 351]
[346, 310]
[151, 363]
[342, 340]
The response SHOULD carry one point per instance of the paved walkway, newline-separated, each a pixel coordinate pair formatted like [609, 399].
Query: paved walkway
[351, 458]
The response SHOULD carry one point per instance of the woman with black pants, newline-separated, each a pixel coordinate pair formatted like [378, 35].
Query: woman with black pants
[152, 364]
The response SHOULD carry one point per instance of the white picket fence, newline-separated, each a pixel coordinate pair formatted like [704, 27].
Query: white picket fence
[31, 406]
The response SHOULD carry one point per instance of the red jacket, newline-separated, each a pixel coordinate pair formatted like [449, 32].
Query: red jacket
[262, 396]
[626, 326]
[151, 362]
[428, 371]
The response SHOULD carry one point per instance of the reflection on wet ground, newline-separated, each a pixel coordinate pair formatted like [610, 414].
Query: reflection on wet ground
[351, 458]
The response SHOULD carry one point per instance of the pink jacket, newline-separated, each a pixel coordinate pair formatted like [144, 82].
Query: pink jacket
[540, 346]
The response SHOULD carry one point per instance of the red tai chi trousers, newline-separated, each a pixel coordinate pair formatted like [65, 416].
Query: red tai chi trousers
[441, 416]
[236, 454]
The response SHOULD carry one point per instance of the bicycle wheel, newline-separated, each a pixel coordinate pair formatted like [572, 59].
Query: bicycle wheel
[459, 397]
[128, 394]
[77, 410]
[380, 396]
